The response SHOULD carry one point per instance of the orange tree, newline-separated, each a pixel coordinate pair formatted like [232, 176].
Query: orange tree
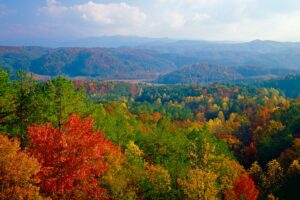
[17, 172]
[72, 158]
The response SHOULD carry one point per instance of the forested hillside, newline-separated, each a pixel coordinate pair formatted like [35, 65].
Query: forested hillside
[99, 63]
[288, 84]
[200, 74]
[231, 61]
[64, 139]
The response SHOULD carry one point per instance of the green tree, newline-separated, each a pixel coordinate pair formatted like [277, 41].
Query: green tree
[7, 102]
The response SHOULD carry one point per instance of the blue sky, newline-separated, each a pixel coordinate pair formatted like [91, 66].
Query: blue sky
[238, 20]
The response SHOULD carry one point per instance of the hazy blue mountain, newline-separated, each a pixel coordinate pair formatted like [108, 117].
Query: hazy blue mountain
[288, 60]
[102, 41]
[258, 46]
[165, 45]
[115, 41]
[130, 57]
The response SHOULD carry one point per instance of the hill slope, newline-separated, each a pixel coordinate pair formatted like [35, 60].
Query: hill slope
[104, 63]
[200, 74]
[290, 85]
[148, 58]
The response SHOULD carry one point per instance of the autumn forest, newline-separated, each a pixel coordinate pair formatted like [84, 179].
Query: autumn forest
[85, 139]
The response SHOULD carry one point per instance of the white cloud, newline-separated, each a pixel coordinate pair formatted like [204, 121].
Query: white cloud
[275, 27]
[282, 27]
[200, 17]
[193, 19]
[53, 8]
[177, 21]
[191, 2]
[105, 14]
[110, 13]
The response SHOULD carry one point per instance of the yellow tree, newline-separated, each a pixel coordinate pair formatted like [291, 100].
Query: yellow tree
[269, 181]
[211, 173]
[200, 184]
[257, 174]
[115, 178]
[274, 176]
[294, 168]
[159, 179]
[135, 170]
[17, 172]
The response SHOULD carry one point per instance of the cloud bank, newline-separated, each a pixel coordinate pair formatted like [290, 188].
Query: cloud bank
[186, 19]
[105, 14]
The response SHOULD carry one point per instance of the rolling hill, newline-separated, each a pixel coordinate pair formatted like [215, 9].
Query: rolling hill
[129, 57]
[200, 74]
[102, 63]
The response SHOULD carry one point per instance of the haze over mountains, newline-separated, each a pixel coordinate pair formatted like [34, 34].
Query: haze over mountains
[129, 57]
[88, 42]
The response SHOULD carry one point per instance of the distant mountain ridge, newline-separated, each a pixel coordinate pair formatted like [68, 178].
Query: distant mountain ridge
[130, 57]
[116, 41]
[258, 46]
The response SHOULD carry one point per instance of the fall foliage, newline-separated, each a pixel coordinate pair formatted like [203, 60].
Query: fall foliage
[107, 140]
[18, 172]
[200, 184]
[243, 188]
[72, 158]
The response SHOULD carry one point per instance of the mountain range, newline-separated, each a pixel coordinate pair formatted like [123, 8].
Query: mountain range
[158, 59]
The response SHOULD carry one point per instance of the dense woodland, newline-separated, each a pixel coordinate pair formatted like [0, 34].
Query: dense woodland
[64, 139]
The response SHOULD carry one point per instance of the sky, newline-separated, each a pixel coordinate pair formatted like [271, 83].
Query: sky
[230, 20]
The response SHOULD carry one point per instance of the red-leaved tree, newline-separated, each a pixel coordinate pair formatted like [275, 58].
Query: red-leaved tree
[243, 188]
[72, 159]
